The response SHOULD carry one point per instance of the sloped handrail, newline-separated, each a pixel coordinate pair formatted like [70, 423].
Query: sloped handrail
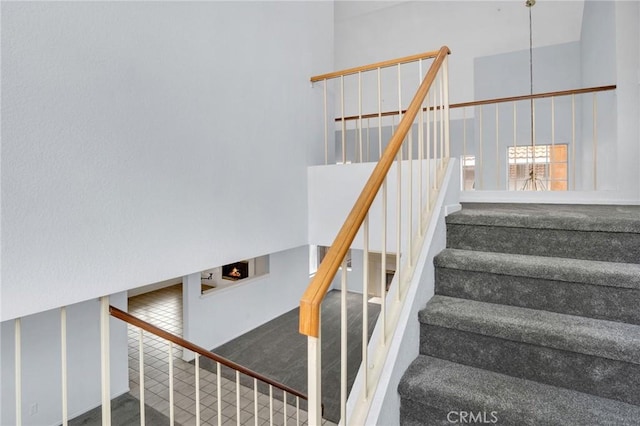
[130, 319]
[318, 287]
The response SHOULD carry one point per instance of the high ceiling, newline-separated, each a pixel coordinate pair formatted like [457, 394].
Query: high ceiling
[495, 26]
[371, 31]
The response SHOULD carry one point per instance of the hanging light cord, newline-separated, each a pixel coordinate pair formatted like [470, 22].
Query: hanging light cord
[531, 73]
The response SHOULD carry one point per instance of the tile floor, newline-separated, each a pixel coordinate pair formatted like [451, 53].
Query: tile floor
[163, 308]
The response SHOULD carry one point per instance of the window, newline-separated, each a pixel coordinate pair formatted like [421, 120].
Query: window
[543, 167]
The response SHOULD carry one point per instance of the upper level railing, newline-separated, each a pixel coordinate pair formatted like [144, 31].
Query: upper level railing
[560, 140]
[420, 144]
[373, 87]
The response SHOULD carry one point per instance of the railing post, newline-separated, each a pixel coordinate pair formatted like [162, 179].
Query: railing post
[498, 164]
[326, 125]
[314, 368]
[365, 306]
[343, 344]
[445, 71]
[105, 360]
[343, 122]
[63, 364]
[595, 142]
[18, 369]
[141, 375]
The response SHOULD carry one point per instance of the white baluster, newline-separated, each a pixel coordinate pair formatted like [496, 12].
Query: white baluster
[219, 392]
[379, 116]
[197, 379]
[383, 268]
[344, 123]
[18, 368]
[343, 344]
[595, 142]
[255, 401]
[573, 141]
[141, 375]
[498, 164]
[428, 154]
[445, 73]
[238, 398]
[410, 200]
[515, 147]
[442, 121]
[270, 404]
[464, 140]
[360, 113]
[326, 125]
[63, 366]
[314, 368]
[284, 407]
[171, 397]
[398, 224]
[479, 169]
[365, 307]
[105, 362]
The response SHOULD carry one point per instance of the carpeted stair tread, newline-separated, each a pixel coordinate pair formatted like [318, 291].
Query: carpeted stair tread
[436, 385]
[607, 339]
[610, 274]
[623, 219]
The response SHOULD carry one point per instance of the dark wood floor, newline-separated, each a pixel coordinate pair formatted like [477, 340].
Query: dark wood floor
[277, 350]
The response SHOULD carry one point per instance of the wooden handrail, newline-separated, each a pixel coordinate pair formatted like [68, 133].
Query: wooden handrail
[493, 101]
[317, 289]
[370, 67]
[130, 319]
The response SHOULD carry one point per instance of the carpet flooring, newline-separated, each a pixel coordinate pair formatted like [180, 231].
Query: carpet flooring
[277, 350]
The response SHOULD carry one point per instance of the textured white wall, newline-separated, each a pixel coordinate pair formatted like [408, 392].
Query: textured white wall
[143, 141]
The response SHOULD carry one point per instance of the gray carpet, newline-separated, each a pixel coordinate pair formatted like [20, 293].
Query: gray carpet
[125, 411]
[277, 350]
[534, 319]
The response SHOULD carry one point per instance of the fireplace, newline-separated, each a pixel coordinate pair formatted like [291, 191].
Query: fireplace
[235, 271]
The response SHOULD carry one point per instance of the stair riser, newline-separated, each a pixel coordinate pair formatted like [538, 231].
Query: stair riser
[416, 413]
[605, 246]
[413, 413]
[585, 373]
[609, 303]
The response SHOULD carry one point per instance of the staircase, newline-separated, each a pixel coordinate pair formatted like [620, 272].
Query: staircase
[535, 320]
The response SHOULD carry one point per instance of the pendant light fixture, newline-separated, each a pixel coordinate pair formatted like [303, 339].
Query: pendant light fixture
[532, 183]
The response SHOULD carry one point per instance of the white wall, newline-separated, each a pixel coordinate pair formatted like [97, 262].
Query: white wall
[367, 32]
[41, 365]
[627, 16]
[144, 141]
[333, 191]
[221, 315]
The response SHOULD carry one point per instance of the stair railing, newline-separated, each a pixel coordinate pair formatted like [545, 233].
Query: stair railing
[420, 145]
[499, 151]
[257, 378]
[549, 141]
